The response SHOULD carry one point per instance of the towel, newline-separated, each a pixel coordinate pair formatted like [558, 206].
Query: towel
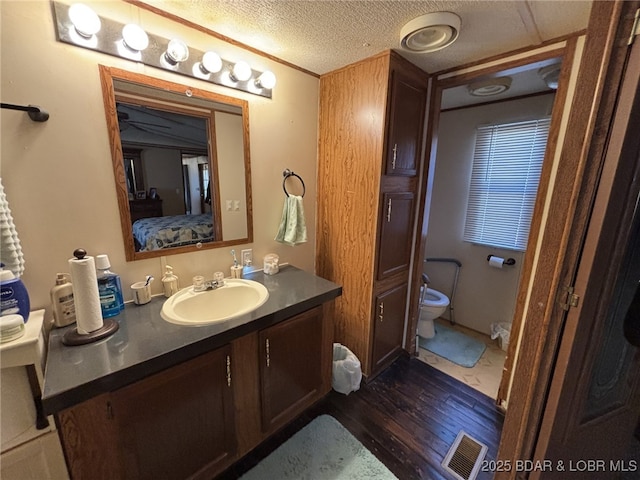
[293, 229]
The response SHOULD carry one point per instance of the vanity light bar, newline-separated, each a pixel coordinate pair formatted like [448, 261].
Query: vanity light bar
[155, 51]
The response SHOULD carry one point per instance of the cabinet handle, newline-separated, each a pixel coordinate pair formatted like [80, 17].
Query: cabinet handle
[228, 371]
[109, 411]
[395, 154]
[268, 359]
[381, 315]
[389, 210]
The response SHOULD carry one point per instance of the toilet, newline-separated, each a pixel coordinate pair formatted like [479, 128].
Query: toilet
[434, 304]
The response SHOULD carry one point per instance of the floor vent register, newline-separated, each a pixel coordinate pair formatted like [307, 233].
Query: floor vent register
[464, 457]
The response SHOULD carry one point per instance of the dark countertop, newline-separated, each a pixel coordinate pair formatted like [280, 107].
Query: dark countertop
[146, 344]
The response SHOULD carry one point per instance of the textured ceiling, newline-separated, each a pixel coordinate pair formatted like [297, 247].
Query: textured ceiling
[321, 36]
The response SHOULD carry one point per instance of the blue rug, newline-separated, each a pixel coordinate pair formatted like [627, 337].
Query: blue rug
[323, 450]
[455, 346]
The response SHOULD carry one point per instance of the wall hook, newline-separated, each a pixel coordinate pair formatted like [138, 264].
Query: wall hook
[35, 113]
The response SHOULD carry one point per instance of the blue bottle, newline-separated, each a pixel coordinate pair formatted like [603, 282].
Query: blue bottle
[109, 288]
[13, 294]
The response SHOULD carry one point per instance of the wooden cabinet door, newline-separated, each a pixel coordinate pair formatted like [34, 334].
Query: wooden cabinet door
[388, 325]
[180, 422]
[291, 367]
[396, 233]
[406, 122]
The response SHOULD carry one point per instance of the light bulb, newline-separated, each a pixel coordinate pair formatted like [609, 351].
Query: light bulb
[85, 21]
[211, 63]
[135, 37]
[177, 51]
[266, 80]
[241, 72]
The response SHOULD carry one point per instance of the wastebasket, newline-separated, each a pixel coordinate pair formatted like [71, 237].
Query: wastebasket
[501, 331]
[347, 371]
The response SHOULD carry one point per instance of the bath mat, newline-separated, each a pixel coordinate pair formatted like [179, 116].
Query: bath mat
[323, 449]
[455, 346]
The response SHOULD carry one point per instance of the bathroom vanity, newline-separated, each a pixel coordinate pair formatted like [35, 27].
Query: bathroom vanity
[158, 400]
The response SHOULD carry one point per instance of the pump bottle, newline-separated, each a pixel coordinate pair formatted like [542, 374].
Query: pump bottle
[169, 282]
[62, 304]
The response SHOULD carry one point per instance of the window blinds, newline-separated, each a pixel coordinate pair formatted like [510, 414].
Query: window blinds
[504, 181]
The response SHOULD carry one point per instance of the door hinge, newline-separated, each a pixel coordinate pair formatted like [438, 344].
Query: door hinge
[635, 29]
[567, 298]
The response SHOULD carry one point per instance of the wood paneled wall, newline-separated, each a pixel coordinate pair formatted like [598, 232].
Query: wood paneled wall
[352, 119]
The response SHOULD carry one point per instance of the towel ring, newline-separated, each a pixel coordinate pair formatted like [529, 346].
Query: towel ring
[288, 173]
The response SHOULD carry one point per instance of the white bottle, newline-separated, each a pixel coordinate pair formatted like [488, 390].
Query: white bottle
[64, 309]
[169, 282]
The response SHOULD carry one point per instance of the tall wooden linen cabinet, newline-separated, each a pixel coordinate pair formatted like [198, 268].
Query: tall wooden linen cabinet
[372, 119]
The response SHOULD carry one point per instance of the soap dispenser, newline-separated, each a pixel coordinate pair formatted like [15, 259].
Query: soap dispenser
[62, 304]
[169, 282]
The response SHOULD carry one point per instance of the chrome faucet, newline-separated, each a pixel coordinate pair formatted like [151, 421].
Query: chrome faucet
[212, 285]
[200, 285]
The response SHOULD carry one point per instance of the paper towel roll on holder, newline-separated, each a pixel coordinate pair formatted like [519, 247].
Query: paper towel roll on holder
[508, 261]
[110, 326]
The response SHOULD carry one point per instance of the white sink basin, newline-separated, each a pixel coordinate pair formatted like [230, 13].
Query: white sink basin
[236, 297]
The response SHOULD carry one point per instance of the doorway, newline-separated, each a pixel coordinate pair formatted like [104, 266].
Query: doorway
[477, 168]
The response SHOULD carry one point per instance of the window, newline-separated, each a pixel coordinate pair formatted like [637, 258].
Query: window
[504, 181]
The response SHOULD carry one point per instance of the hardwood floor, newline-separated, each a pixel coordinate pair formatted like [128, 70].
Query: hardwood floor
[408, 417]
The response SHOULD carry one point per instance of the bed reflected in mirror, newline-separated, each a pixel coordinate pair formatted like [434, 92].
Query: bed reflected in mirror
[181, 164]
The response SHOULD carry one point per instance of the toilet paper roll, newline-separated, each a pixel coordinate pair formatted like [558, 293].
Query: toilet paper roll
[85, 294]
[496, 262]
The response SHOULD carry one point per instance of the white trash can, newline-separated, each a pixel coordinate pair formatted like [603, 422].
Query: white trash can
[347, 370]
[501, 331]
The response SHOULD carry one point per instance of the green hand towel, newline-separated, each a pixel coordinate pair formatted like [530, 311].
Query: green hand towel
[293, 229]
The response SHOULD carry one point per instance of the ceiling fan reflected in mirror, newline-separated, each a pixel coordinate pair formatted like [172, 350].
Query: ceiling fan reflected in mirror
[125, 121]
[148, 125]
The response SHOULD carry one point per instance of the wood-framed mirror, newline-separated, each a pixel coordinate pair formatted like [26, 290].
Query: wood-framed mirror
[181, 165]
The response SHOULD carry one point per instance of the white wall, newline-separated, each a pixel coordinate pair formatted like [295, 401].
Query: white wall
[484, 295]
[231, 168]
[58, 175]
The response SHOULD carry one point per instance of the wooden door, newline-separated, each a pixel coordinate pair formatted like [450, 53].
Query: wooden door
[594, 400]
[291, 367]
[180, 422]
[388, 325]
[204, 184]
[406, 123]
[396, 233]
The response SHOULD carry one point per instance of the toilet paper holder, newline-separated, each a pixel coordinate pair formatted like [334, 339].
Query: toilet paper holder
[508, 261]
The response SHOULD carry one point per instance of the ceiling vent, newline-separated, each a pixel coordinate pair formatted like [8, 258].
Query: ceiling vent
[491, 86]
[430, 32]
